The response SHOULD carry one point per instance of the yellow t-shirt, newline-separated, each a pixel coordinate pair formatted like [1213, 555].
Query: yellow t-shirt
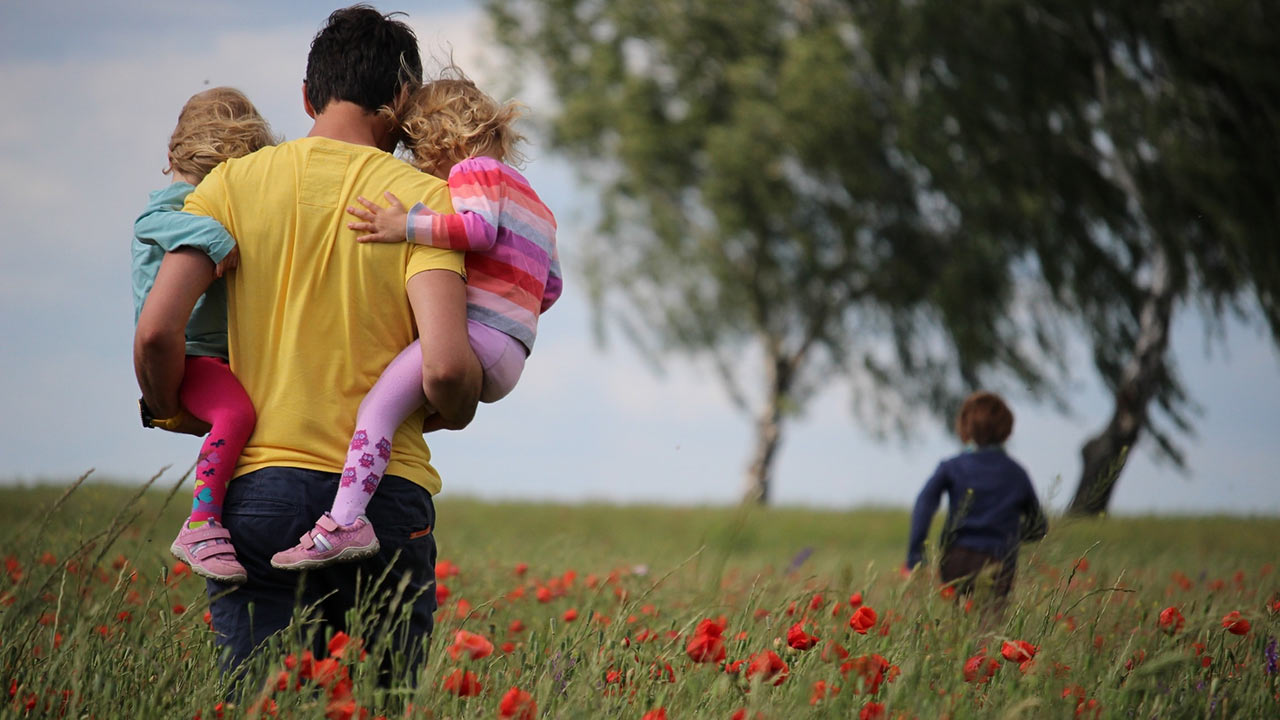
[313, 316]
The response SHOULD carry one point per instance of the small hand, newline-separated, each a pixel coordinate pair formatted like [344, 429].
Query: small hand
[230, 262]
[383, 224]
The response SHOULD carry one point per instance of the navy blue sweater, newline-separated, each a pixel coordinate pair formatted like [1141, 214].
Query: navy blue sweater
[991, 505]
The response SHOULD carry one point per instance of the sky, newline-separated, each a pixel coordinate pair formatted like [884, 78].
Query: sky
[92, 91]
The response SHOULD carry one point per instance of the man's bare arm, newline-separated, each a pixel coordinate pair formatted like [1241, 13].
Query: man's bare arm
[159, 342]
[451, 374]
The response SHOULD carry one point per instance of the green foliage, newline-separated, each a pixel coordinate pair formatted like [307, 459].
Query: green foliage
[640, 580]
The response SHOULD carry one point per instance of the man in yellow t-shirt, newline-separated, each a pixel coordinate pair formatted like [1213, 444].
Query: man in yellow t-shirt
[314, 317]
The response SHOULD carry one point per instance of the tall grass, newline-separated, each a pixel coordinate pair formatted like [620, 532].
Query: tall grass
[591, 609]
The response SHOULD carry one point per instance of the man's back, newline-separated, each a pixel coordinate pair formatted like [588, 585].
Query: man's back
[314, 317]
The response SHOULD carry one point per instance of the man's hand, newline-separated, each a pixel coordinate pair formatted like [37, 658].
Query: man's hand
[451, 374]
[386, 225]
[185, 423]
[230, 262]
[160, 342]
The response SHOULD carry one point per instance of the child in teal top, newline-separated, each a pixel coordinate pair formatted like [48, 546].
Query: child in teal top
[214, 125]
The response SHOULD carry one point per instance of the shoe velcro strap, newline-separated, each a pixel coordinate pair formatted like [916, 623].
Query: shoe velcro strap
[327, 522]
[213, 550]
[206, 533]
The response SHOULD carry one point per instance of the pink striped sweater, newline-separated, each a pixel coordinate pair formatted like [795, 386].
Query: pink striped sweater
[509, 235]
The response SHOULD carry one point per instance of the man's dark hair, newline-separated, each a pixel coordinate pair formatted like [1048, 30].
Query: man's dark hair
[361, 56]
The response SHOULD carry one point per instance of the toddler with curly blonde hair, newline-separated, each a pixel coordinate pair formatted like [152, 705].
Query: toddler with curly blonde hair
[461, 135]
[214, 126]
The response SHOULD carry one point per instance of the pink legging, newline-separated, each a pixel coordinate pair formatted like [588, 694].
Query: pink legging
[212, 393]
[396, 395]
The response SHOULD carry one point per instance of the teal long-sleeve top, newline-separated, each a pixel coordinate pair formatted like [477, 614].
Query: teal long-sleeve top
[163, 227]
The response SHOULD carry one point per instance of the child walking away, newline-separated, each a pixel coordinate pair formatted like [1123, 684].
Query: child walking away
[215, 125]
[457, 133]
[992, 507]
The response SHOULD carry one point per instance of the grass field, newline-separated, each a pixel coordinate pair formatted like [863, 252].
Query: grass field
[601, 611]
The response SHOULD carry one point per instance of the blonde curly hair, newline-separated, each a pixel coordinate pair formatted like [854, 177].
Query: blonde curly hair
[215, 125]
[449, 120]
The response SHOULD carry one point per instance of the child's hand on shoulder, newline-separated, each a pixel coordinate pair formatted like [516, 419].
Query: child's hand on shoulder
[229, 263]
[382, 224]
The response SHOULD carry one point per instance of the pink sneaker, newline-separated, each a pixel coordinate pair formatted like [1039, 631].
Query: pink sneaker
[327, 543]
[209, 552]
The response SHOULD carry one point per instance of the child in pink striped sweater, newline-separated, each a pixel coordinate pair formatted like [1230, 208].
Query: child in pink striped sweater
[461, 135]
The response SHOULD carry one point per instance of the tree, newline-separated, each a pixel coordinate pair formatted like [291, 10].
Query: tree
[755, 203]
[1133, 150]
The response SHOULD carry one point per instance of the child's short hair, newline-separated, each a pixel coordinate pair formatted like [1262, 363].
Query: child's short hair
[216, 125]
[984, 419]
[449, 120]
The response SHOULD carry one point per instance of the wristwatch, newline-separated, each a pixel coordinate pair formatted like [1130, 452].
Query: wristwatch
[148, 419]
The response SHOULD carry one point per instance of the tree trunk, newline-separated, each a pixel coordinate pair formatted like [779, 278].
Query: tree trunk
[1104, 454]
[768, 426]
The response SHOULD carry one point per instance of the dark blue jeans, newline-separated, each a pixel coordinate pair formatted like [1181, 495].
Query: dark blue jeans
[268, 510]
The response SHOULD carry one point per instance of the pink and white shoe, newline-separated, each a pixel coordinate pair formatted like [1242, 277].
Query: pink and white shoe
[328, 543]
[209, 552]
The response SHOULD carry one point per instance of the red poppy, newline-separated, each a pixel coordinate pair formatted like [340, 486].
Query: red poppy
[462, 684]
[822, 690]
[1018, 651]
[516, 626]
[864, 618]
[768, 667]
[445, 569]
[517, 705]
[1171, 620]
[521, 568]
[799, 639]
[470, 644]
[872, 711]
[570, 615]
[707, 643]
[856, 600]
[815, 603]
[543, 594]
[980, 669]
[1235, 624]
[655, 714]
[869, 671]
[442, 593]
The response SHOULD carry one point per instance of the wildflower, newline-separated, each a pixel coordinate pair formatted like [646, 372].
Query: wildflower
[570, 615]
[822, 690]
[180, 570]
[470, 644]
[442, 593]
[979, 669]
[48, 558]
[339, 643]
[657, 672]
[1018, 651]
[864, 618]
[445, 569]
[947, 592]
[1272, 657]
[707, 643]
[833, 651]
[543, 594]
[179, 608]
[1235, 624]
[521, 569]
[462, 684]
[655, 714]
[760, 614]
[799, 639]
[872, 711]
[516, 626]
[869, 671]
[855, 600]
[508, 647]
[815, 603]
[517, 705]
[768, 667]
